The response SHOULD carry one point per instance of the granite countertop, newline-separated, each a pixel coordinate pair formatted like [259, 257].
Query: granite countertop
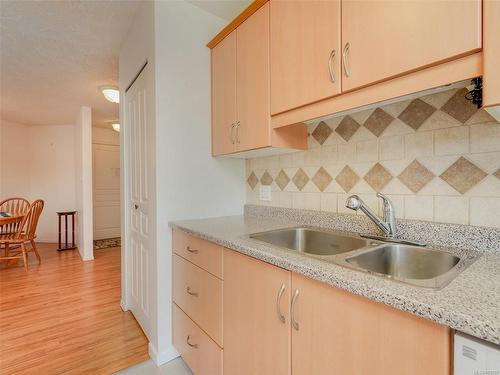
[470, 303]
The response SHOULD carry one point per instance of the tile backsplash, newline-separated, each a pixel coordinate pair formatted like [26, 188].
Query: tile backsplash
[437, 157]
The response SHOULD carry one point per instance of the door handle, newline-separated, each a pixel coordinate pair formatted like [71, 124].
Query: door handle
[345, 56]
[190, 292]
[136, 206]
[295, 325]
[194, 251]
[231, 133]
[188, 338]
[281, 317]
[330, 67]
[238, 131]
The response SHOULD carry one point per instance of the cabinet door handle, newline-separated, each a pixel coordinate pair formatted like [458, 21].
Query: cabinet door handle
[231, 133]
[345, 56]
[191, 345]
[330, 66]
[281, 317]
[194, 251]
[190, 292]
[295, 325]
[238, 131]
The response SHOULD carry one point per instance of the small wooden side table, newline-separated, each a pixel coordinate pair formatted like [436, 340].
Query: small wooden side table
[67, 245]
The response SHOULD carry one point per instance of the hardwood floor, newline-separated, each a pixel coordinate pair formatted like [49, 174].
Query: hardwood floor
[64, 316]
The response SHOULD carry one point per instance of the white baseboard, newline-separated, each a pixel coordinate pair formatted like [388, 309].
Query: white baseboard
[123, 305]
[163, 357]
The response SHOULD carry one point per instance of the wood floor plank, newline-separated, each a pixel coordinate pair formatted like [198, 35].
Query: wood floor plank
[64, 316]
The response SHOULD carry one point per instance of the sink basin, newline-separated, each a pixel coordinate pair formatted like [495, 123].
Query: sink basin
[310, 241]
[415, 265]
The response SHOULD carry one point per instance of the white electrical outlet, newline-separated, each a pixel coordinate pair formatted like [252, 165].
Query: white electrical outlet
[265, 193]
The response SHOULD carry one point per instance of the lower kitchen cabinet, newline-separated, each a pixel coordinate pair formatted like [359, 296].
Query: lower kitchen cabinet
[336, 332]
[255, 317]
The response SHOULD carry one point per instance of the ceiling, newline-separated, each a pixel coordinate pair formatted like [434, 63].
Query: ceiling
[55, 54]
[225, 9]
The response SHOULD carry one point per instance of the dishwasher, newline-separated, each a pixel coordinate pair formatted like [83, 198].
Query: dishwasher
[473, 356]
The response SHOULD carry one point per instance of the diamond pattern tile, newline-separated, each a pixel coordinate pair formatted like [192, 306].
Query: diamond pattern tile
[463, 175]
[458, 107]
[416, 113]
[378, 177]
[300, 179]
[322, 179]
[347, 178]
[282, 180]
[266, 179]
[378, 121]
[252, 180]
[415, 176]
[322, 132]
[347, 127]
[497, 174]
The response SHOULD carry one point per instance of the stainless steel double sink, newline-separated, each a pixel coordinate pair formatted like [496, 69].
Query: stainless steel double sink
[420, 266]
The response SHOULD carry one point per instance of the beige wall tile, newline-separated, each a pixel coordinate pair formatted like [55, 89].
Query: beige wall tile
[312, 201]
[439, 120]
[285, 199]
[391, 148]
[488, 187]
[451, 209]
[485, 137]
[286, 160]
[312, 157]
[298, 200]
[439, 99]
[484, 212]
[329, 202]
[419, 207]
[346, 152]
[418, 144]
[341, 208]
[397, 127]
[367, 150]
[451, 141]
[329, 155]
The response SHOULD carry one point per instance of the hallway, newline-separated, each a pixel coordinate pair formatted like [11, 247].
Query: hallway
[64, 316]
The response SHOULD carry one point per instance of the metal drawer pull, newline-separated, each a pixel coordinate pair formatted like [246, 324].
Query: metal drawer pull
[278, 306]
[347, 71]
[188, 290]
[330, 67]
[191, 345]
[194, 251]
[292, 318]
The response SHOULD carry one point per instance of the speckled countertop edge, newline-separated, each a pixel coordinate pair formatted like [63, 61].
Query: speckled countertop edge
[470, 303]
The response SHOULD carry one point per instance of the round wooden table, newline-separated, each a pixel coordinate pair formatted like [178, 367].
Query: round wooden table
[10, 219]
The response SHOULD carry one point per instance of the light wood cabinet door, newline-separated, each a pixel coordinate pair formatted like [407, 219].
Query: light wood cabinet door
[223, 95]
[341, 333]
[253, 82]
[305, 52]
[256, 340]
[388, 38]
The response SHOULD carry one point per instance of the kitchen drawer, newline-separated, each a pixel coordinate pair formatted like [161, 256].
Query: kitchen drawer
[204, 254]
[199, 294]
[201, 354]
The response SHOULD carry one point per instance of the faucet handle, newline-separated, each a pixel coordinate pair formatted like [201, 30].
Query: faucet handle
[385, 199]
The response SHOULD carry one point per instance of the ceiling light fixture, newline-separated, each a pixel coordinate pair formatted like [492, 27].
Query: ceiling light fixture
[116, 127]
[111, 93]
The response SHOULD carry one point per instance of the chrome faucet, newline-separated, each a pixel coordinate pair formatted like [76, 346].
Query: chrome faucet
[387, 224]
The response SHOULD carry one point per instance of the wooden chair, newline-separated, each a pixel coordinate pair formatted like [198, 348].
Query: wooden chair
[26, 233]
[13, 206]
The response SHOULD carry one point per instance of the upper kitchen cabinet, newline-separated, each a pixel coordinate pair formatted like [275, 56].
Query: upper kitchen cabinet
[305, 52]
[252, 89]
[224, 95]
[241, 114]
[384, 39]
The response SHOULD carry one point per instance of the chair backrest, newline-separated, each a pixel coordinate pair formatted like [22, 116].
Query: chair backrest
[13, 206]
[30, 220]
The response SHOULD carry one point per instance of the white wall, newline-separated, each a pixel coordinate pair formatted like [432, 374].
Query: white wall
[105, 136]
[189, 182]
[38, 163]
[14, 160]
[83, 182]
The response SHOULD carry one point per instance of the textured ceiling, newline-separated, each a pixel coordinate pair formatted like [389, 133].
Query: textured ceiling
[55, 54]
[225, 9]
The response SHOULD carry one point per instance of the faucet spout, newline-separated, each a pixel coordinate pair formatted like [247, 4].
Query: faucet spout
[387, 224]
